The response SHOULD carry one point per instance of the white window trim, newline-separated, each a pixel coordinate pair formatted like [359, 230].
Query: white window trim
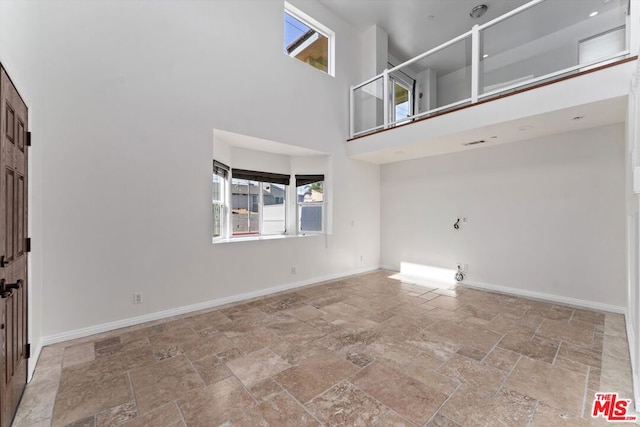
[320, 28]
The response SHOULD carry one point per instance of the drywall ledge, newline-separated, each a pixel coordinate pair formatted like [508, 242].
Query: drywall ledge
[132, 321]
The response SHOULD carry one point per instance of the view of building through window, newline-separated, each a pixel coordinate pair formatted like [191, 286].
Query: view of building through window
[310, 207]
[305, 42]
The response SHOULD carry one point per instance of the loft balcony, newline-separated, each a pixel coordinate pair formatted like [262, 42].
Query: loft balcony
[527, 72]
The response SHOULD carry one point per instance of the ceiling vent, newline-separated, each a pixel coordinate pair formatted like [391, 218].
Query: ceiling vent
[478, 11]
[480, 141]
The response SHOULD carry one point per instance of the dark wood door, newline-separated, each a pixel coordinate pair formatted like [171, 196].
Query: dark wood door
[13, 253]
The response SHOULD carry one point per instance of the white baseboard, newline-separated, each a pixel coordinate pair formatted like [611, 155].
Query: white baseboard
[110, 326]
[546, 297]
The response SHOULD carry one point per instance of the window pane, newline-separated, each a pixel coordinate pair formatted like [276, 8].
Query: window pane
[311, 218]
[305, 43]
[245, 206]
[313, 192]
[401, 102]
[273, 211]
[217, 219]
[217, 188]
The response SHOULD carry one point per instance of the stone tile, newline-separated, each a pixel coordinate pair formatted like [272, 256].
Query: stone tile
[446, 302]
[106, 342]
[265, 389]
[255, 339]
[473, 374]
[295, 331]
[163, 416]
[502, 359]
[306, 312]
[85, 422]
[508, 325]
[77, 404]
[440, 347]
[121, 347]
[79, 377]
[314, 375]
[546, 416]
[467, 335]
[345, 404]
[37, 402]
[50, 356]
[533, 347]
[440, 420]
[281, 410]
[557, 387]
[617, 347]
[579, 354]
[575, 332]
[175, 337]
[408, 397]
[78, 354]
[117, 415]
[472, 407]
[257, 366]
[589, 316]
[206, 346]
[614, 325]
[221, 401]
[472, 353]
[286, 302]
[163, 382]
[208, 320]
[211, 369]
[385, 348]
[419, 370]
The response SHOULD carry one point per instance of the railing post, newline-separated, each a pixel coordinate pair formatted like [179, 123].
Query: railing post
[351, 112]
[475, 63]
[385, 97]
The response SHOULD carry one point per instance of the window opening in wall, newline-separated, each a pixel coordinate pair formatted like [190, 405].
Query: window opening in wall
[308, 40]
[220, 179]
[310, 200]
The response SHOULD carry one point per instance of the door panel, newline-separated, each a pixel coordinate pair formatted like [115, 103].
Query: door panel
[13, 256]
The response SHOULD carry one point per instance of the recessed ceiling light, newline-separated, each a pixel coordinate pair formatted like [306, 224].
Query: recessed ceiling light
[486, 55]
[592, 14]
[478, 11]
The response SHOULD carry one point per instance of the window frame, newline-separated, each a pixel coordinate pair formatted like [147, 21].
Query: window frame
[222, 171]
[261, 178]
[320, 28]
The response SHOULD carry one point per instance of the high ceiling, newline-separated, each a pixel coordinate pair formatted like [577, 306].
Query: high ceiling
[415, 26]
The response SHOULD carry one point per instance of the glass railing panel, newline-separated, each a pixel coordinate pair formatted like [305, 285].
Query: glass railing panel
[442, 79]
[531, 46]
[368, 107]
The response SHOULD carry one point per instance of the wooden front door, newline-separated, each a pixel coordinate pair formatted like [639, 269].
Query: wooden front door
[13, 251]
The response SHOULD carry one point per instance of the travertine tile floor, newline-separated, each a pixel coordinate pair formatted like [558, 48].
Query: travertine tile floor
[367, 350]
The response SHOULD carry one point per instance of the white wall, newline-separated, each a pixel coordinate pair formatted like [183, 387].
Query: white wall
[545, 215]
[130, 94]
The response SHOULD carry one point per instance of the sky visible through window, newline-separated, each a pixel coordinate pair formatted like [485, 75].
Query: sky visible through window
[293, 29]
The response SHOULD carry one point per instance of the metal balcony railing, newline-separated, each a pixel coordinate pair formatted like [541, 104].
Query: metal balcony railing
[518, 49]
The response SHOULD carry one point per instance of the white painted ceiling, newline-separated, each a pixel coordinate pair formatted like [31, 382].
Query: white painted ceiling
[415, 26]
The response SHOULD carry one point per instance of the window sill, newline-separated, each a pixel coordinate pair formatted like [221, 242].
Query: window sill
[258, 238]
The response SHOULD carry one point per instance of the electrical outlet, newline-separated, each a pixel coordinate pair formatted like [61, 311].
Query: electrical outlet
[137, 297]
[293, 270]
